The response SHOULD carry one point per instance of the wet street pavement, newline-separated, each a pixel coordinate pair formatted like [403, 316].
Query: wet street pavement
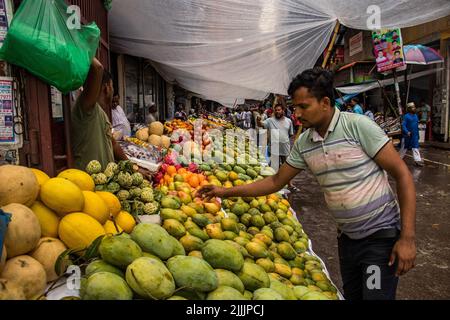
[430, 279]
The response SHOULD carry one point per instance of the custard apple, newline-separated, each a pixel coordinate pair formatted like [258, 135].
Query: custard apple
[124, 179]
[137, 207]
[147, 195]
[137, 178]
[125, 206]
[151, 207]
[135, 192]
[123, 195]
[113, 187]
[93, 167]
[145, 184]
[99, 178]
[112, 167]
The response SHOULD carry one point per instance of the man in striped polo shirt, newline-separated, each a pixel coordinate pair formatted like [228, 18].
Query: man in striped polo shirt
[350, 157]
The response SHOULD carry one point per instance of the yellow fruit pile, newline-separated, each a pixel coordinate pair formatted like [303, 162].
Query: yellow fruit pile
[50, 215]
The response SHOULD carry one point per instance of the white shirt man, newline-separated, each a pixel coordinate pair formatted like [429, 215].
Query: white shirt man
[120, 122]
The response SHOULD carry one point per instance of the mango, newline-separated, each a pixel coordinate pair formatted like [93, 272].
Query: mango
[211, 207]
[239, 208]
[214, 231]
[257, 221]
[241, 241]
[119, 251]
[266, 264]
[221, 176]
[197, 207]
[297, 280]
[253, 230]
[266, 294]
[286, 251]
[170, 202]
[229, 224]
[286, 292]
[229, 235]
[248, 295]
[184, 197]
[283, 270]
[281, 235]
[222, 255]
[192, 273]
[167, 213]
[189, 211]
[270, 217]
[311, 295]
[246, 219]
[150, 279]
[191, 243]
[101, 266]
[196, 253]
[153, 239]
[246, 235]
[229, 279]
[256, 250]
[254, 204]
[106, 286]
[201, 220]
[253, 277]
[174, 227]
[225, 293]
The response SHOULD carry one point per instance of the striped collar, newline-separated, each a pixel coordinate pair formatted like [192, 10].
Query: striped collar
[314, 136]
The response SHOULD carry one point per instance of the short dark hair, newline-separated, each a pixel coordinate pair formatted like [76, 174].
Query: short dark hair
[278, 105]
[319, 82]
[107, 77]
[355, 99]
[397, 52]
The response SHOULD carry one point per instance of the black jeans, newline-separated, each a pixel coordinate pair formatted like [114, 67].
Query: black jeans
[364, 267]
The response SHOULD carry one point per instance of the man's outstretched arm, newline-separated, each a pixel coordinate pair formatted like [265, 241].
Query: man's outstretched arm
[259, 188]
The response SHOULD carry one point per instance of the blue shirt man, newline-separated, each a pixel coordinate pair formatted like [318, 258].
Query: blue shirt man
[356, 107]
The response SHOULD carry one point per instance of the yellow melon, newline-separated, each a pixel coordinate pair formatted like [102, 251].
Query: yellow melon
[41, 177]
[155, 140]
[48, 219]
[18, 185]
[83, 180]
[23, 231]
[126, 221]
[142, 134]
[62, 196]
[28, 273]
[110, 228]
[9, 290]
[112, 202]
[95, 207]
[77, 230]
[165, 142]
[156, 128]
[47, 252]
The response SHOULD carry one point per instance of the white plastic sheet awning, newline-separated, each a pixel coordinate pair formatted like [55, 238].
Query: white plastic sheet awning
[236, 49]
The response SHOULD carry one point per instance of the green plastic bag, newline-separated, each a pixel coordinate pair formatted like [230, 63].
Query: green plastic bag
[40, 41]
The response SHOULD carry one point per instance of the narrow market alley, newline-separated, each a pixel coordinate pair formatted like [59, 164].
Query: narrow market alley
[430, 279]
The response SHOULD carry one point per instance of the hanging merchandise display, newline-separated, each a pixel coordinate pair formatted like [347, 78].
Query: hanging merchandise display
[62, 48]
[232, 49]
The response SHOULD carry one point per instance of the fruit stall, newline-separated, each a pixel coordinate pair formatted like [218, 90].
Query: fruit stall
[132, 238]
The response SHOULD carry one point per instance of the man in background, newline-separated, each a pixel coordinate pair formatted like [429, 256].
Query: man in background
[281, 130]
[151, 115]
[120, 123]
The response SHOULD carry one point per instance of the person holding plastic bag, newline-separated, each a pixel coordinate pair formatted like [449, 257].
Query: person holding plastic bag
[91, 130]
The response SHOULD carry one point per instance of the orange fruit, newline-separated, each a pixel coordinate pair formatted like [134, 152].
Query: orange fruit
[181, 171]
[193, 181]
[171, 170]
[204, 183]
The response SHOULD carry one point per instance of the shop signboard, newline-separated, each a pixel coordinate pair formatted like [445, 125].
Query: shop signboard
[388, 49]
[6, 111]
